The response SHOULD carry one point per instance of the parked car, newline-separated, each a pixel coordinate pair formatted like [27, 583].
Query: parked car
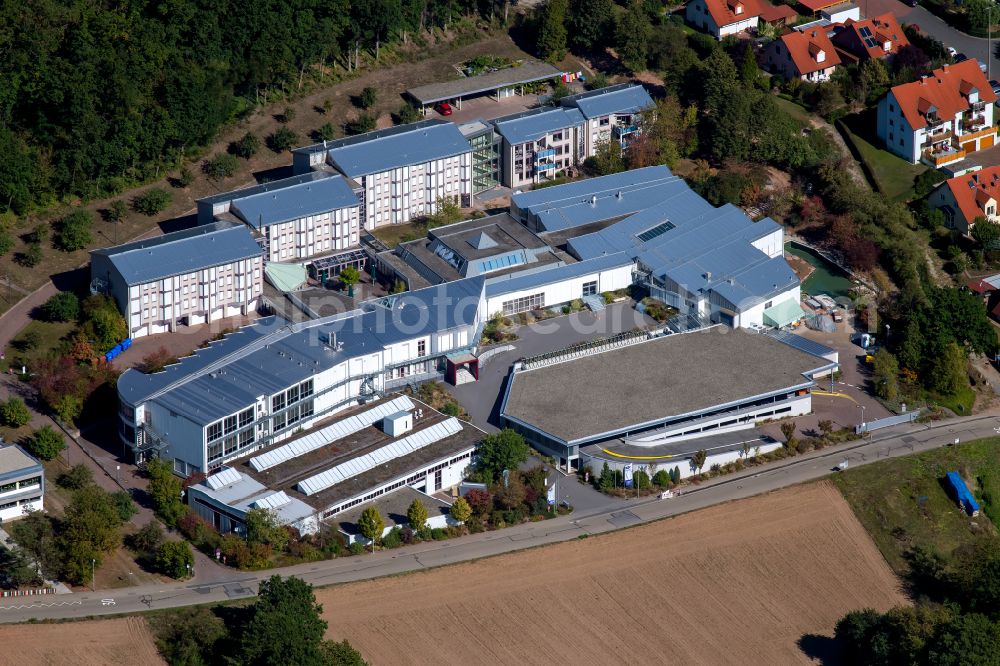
[982, 66]
[996, 86]
[951, 51]
[959, 57]
[444, 108]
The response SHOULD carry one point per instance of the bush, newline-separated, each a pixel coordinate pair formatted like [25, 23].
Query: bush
[283, 139]
[394, 539]
[368, 97]
[117, 211]
[6, 242]
[40, 233]
[175, 559]
[662, 478]
[246, 146]
[287, 116]
[408, 114]
[356, 548]
[325, 132]
[74, 231]
[64, 306]
[439, 534]
[45, 443]
[31, 257]
[124, 505]
[14, 413]
[185, 178]
[221, 166]
[365, 122]
[640, 479]
[76, 477]
[148, 538]
[151, 202]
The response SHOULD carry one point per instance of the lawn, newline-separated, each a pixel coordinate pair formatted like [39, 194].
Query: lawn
[902, 502]
[796, 111]
[394, 234]
[35, 341]
[893, 176]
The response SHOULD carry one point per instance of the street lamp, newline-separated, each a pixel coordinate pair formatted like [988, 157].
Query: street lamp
[118, 469]
[189, 570]
[93, 580]
[863, 428]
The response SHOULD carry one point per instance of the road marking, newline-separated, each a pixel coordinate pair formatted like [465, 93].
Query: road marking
[108, 602]
[834, 395]
[53, 604]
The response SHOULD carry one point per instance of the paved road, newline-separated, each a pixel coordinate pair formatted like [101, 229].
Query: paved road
[974, 47]
[615, 514]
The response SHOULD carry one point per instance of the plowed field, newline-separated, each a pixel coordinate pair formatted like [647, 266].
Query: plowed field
[739, 583]
[125, 641]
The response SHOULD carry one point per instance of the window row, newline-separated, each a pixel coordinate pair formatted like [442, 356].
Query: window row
[230, 424]
[291, 396]
[292, 415]
[20, 485]
[230, 445]
[524, 304]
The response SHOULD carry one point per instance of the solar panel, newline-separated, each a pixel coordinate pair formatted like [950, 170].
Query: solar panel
[865, 31]
[224, 477]
[653, 232]
[273, 501]
[331, 433]
[414, 442]
[870, 42]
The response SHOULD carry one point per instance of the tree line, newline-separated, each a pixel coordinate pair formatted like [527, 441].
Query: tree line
[96, 96]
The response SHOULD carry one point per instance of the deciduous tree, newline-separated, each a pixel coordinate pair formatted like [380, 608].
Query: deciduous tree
[416, 515]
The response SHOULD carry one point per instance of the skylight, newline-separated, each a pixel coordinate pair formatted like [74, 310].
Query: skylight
[653, 232]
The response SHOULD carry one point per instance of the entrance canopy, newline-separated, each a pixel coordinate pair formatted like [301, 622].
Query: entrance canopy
[783, 314]
[527, 72]
[286, 277]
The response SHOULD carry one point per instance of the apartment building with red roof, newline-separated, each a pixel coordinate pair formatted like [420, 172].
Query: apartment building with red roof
[962, 199]
[869, 39]
[941, 118]
[808, 55]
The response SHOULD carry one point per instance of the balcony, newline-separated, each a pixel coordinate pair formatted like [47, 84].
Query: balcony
[545, 167]
[934, 137]
[621, 131]
[974, 124]
[940, 157]
[542, 154]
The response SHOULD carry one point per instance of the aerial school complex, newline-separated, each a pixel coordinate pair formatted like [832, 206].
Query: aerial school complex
[305, 418]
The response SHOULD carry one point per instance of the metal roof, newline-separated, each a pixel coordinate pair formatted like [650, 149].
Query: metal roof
[266, 187]
[271, 355]
[242, 493]
[181, 252]
[801, 343]
[623, 98]
[534, 124]
[330, 434]
[294, 201]
[526, 72]
[403, 447]
[393, 148]
[603, 198]
[552, 273]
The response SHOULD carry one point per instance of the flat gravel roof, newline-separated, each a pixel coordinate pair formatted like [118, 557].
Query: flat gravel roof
[598, 396]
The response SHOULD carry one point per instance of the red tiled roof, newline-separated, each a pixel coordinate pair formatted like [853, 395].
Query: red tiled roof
[880, 30]
[805, 47]
[724, 11]
[945, 90]
[771, 13]
[816, 5]
[979, 286]
[973, 190]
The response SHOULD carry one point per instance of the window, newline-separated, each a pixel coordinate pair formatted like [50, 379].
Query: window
[8, 487]
[214, 451]
[422, 348]
[768, 304]
[278, 402]
[27, 483]
[214, 431]
[437, 480]
[230, 424]
[246, 417]
[524, 304]
[891, 108]
[590, 288]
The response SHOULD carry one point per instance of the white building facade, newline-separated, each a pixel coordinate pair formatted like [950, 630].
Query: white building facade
[22, 483]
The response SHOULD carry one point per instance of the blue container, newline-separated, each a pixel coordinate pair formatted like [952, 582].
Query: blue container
[126, 343]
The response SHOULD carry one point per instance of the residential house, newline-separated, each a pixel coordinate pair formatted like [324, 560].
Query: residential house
[874, 38]
[963, 199]
[807, 55]
[720, 18]
[182, 278]
[402, 172]
[294, 219]
[540, 144]
[611, 113]
[941, 118]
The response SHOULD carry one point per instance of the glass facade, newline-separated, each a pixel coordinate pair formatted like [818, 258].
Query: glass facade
[485, 162]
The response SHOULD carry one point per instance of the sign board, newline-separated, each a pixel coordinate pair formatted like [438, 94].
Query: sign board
[551, 495]
[627, 472]
[666, 494]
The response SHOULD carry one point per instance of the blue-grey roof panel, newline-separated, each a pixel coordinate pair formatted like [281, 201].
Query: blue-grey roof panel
[512, 282]
[271, 355]
[401, 146]
[618, 99]
[266, 187]
[802, 344]
[533, 125]
[295, 201]
[182, 252]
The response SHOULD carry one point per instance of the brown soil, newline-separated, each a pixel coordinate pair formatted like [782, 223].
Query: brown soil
[734, 584]
[125, 641]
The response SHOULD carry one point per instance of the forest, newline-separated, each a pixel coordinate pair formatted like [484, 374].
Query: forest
[95, 96]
